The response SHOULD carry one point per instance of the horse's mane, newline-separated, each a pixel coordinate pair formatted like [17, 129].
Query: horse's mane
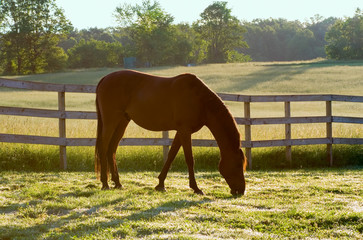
[217, 107]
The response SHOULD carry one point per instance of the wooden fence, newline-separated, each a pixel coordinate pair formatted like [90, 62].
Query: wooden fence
[62, 141]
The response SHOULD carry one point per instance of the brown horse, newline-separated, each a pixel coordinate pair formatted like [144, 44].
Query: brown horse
[182, 103]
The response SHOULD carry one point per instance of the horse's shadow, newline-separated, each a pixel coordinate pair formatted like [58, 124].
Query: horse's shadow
[168, 207]
[83, 230]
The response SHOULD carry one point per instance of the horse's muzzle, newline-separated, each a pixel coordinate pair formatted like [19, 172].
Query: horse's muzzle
[237, 193]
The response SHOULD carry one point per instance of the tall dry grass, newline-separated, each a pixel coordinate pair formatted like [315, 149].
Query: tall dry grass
[311, 77]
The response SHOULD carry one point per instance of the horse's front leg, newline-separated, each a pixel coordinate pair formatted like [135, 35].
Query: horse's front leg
[186, 140]
[175, 146]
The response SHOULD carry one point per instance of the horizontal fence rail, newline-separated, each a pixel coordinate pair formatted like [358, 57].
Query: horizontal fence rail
[62, 141]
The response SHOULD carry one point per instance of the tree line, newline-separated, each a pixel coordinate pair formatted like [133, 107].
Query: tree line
[36, 37]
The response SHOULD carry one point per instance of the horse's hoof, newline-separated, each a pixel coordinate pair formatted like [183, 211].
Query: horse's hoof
[105, 188]
[160, 188]
[118, 186]
[199, 192]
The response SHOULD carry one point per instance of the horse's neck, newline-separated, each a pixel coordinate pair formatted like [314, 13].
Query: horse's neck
[224, 131]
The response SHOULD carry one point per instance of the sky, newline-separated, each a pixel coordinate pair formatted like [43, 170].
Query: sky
[99, 13]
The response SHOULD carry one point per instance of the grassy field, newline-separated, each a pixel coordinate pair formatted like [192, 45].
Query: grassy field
[310, 77]
[309, 204]
[43, 203]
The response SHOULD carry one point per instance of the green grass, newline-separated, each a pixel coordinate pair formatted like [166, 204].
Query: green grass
[309, 77]
[314, 204]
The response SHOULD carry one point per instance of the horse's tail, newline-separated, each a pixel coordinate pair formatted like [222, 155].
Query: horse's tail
[99, 145]
[98, 141]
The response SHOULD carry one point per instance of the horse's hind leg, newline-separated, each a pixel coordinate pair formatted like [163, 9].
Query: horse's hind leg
[175, 146]
[111, 123]
[111, 153]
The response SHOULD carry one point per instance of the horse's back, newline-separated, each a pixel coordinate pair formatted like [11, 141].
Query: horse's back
[155, 103]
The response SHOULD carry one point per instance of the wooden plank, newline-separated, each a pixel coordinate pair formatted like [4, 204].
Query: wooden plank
[345, 98]
[234, 97]
[329, 133]
[247, 115]
[31, 112]
[288, 132]
[282, 120]
[290, 98]
[288, 120]
[80, 88]
[47, 113]
[78, 142]
[29, 139]
[140, 142]
[124, 142]
[350, 141]
[273, 98]
[356, 120]
[81, 115]
[62, 130]
[292, 142]
[242, 121]
[18, 84]
[51, 87]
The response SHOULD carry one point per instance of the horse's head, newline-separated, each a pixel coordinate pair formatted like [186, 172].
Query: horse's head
[232, 169]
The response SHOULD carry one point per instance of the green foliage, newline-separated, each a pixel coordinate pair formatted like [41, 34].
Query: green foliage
[234, 56]
[152, 36]
[154, 40]
[282, 40]
[36, 37]
[93, 53]
[30, 32]
[345, 38]
[222, 32]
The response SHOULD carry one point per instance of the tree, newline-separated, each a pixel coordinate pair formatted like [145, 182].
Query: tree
[150, 30]
[320, 26]
[30, 32]
[93, 53]
[345, 38]
[283, 40]
[222, 31]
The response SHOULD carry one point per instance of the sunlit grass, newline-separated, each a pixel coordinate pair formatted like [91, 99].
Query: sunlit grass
[317, 204]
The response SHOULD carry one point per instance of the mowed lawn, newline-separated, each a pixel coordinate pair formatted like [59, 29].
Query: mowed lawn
[290, 204]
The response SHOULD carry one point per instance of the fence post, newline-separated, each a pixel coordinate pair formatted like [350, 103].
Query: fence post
[165, 147]
[62, 130]
[329, 133]
[247, 113]
[288, 133]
